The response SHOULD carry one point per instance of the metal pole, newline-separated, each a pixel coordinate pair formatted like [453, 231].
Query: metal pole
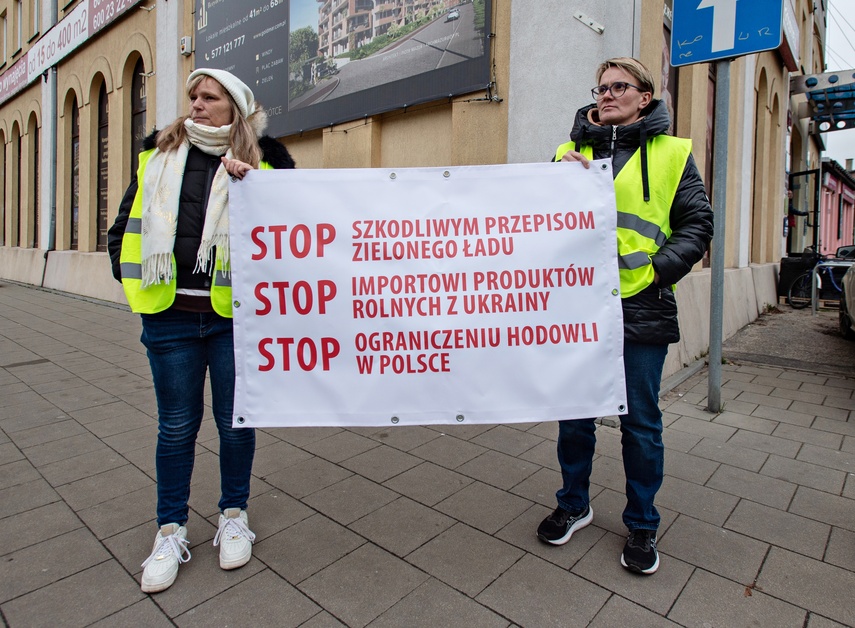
[722, 114]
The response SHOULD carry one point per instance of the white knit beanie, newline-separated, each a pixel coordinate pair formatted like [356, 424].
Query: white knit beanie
[240, 93]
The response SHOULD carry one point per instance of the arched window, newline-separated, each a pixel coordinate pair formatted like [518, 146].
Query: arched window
[15, 227]
[2, 188]
[103, 155]
[138, 117]
[74, 210]
[33, 233]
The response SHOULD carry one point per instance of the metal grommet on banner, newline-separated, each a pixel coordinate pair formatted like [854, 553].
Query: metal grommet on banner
[446, 174]
[395, 420]
[460, 418]
[621, 408]
[615, 292]
[604, 166]
[240, 420]
[393, 176]
[236, 303]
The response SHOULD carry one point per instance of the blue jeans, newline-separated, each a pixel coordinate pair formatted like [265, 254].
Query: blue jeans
[182, 346]
[641, 438]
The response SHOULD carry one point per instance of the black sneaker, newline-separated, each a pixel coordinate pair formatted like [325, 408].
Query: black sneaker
[639, 553]
[558, 527]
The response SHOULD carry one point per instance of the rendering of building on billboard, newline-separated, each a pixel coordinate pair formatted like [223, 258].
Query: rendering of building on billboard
[346, 59]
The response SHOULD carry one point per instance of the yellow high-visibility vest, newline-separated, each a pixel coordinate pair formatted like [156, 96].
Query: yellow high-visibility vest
[643, 226]
[158, 297]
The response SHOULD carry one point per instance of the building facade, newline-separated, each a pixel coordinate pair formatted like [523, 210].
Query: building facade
[69, 134]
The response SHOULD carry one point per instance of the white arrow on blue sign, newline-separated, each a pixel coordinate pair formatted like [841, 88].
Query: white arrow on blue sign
[707, 30]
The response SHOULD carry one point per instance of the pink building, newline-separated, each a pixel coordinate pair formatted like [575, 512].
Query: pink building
[837, 207]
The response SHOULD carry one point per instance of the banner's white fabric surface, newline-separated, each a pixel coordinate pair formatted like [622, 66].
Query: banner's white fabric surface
[377, 297]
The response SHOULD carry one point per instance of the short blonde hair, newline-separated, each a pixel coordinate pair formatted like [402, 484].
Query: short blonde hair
[634, 67]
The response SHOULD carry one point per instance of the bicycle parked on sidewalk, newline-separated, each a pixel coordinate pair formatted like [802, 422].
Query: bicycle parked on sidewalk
[799, 295]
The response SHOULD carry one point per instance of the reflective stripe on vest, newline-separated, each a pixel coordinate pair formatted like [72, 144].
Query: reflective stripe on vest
[158, 297]
[643, 227]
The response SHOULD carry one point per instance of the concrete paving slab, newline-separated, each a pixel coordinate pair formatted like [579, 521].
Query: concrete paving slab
[79, 600]
[38, 565]
[715, 601]
[103, 486]
[761, 489]
[402, 526]
[507, 440]
[602, 566]
[521, 533]
[25, 497]
[448, 451]
[780, 528]
[700, 502]
[729, 554]
[306, 548]
[436, 604]
[465, 558]
[805, 473]
[728, 453]
[38, 524]
[9, 452]
[483, 507]
[16, 473]
[283, 607]
[772, 503]
[824, 507]
[63, 449]
[389, 578]
[740, 421]
[428, 483]
[381, 463]
[621, 612]
[143, 613]
[535, 593]
[498, 469]
[350, 499]
[809, 583]
[341, 446]
[539, 487]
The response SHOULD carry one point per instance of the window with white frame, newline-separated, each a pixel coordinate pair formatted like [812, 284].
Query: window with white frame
[34, 17]
[4, 37]
[19, 24]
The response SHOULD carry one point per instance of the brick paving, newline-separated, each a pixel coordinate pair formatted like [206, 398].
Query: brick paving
[412, 526]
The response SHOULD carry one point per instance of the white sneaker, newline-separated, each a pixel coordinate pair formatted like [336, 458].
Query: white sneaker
[234, 538]
[161, 567]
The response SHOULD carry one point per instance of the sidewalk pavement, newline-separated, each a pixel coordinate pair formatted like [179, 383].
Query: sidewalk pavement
[413, 526]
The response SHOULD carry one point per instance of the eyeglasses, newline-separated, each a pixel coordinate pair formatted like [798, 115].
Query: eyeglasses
[616, 89]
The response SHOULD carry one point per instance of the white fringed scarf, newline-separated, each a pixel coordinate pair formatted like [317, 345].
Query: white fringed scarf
[161, 190]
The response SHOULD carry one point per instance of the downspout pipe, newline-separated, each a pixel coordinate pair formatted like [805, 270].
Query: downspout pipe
[52, 101]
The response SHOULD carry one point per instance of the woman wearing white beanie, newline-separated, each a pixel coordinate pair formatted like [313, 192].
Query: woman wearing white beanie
[170, 249]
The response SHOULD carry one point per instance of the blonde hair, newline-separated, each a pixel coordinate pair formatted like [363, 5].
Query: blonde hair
[243, 136]
[633, 67]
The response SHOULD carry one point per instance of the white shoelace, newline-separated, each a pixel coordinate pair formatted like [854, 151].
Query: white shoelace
[171, 544]
[231, 528]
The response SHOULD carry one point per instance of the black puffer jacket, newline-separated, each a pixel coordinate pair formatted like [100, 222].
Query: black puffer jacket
[650, 317]
[195, 187]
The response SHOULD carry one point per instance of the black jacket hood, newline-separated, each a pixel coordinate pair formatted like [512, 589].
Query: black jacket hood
[655, 120]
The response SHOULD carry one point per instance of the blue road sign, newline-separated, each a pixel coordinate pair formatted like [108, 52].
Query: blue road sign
[707, 30]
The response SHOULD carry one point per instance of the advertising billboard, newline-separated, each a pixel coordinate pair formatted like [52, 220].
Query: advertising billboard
[315, 63]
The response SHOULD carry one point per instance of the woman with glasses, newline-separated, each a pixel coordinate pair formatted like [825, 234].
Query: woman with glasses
[665, 224]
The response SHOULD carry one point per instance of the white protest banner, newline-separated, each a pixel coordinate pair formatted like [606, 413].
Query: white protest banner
[376, 297]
